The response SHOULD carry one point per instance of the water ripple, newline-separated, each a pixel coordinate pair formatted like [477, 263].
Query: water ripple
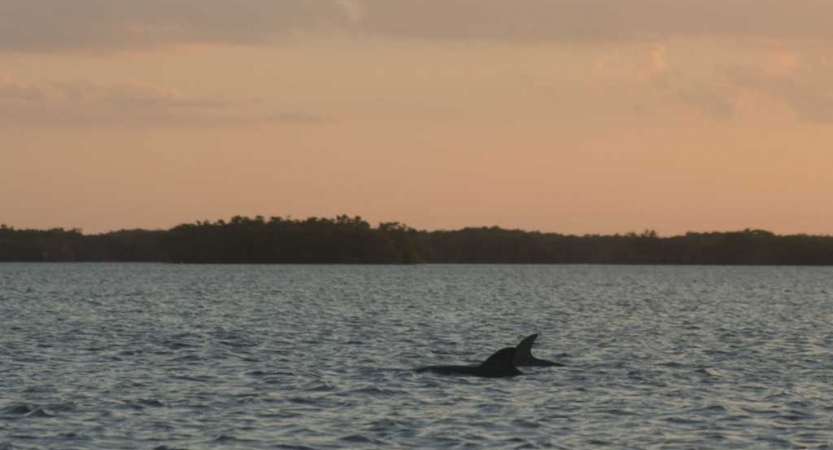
[321, 357]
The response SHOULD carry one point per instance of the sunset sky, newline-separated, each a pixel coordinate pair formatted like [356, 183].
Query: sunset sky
[569, 116]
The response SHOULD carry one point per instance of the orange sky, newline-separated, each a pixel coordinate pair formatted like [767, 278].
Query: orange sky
[562, 116]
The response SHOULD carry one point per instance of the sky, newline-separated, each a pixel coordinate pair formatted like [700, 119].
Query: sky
[566, 116]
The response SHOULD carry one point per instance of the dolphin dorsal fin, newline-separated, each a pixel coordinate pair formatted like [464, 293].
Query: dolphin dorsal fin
[501, 359]
[523, 352]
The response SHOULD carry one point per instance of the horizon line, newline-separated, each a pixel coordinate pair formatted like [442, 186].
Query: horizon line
[647, 232]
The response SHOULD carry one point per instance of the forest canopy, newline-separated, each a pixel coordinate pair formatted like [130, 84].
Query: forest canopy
[352, 240]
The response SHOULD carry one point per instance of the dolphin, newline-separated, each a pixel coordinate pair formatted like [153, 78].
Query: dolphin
[496, 366]
[523, 355]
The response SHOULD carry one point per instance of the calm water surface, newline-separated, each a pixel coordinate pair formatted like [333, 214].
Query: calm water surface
[203, 357]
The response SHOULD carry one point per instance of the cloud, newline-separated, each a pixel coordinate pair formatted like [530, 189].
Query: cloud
[354, 9]
[55, 25]
[82, 103]
[652, 82]
[803, 84]
[800, 80]
[711, 96]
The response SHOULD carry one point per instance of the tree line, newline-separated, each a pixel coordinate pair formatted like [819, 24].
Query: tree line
[348, 240]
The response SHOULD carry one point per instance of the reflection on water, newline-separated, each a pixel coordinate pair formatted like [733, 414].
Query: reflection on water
[172, 356]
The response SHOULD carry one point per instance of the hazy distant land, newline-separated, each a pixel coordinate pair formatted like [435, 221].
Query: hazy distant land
[349, 240]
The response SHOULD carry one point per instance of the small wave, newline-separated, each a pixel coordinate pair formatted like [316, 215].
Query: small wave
[522, 423]
[35, 411]
[194, 378]
[776, 397]
[710, 372]
[683, 421]
[39, 413]
[238, 343]
[761, 411]
[672, 364]
[619, 412]
[225, 438]
[176, 345]
[265, 374]
[384, 425]
[16, 410]
[375, 391]
[62, 407]
[73, 436]
[777, 441]
[319, 386]
[359, 439]
[304, 400]
[795, 416]
[145, 403]
[711, 409]
[191, 357]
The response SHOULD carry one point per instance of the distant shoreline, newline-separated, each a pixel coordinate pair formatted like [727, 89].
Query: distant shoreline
[421, 264]
[351, 240]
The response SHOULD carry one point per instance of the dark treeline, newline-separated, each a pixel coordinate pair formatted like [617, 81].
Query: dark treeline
[352, 240]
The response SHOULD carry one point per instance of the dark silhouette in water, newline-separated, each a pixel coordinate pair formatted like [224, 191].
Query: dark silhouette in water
[523, 355]
[498, 365]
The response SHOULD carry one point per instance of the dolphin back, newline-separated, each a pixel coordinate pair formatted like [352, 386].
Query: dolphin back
[500, 358]
[496, 366]
[501, 363]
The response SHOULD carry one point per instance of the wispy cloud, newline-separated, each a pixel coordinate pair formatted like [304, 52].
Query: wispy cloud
[712, 97]
[803, 84]
[56, 25]
[82, 103]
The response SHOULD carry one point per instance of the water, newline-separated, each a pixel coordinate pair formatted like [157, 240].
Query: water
[203, 357]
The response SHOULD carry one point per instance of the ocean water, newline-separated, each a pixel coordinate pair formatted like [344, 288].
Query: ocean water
[148, 356]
